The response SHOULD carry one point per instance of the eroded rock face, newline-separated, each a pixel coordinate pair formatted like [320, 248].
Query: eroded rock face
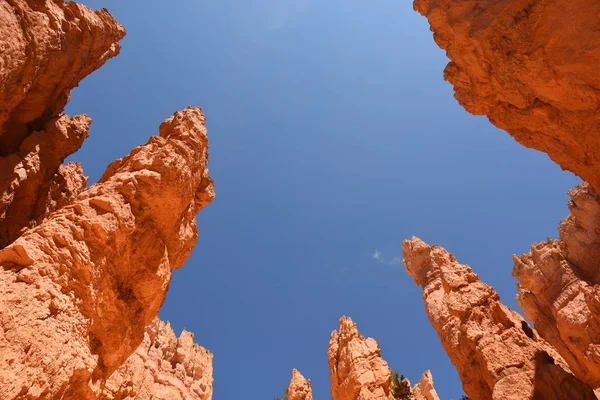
[356, 369]
[31, 175]
[164, 367]
[299, 388]
[77, 291]
[498, 356]
[358, 372]
[559, 286]
[531, 67]
[48, 47]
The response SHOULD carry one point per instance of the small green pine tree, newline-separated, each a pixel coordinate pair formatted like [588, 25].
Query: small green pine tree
[400, 387]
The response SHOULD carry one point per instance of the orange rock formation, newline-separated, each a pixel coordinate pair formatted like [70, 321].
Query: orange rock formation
[559, 286]
[358, 372]
[299, 388]
[498, 356]
[47, 48]
[356, 369]
[424, 390]
[532, 67]
[84, 271]
[78, 290]
[164, 367]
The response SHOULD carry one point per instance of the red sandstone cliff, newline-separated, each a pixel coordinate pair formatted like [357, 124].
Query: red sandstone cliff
[559, 286]
[358, 372]
[78, 290]
[532, 67]
[84, 271]
[47, 47]
[498, 356]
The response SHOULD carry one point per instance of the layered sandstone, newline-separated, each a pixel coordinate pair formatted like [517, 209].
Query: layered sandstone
[299, 388]
[77, 291]
[498, 356]
[358, 372]
[165, 367]
[559, 286]
[48, 47]
[531, 67]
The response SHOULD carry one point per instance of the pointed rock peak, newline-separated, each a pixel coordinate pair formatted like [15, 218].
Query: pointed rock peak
[356, 368]
[299, 388]
[424, 390]
[497, 355]
[427, 262]
[184, 122]
[348, 328]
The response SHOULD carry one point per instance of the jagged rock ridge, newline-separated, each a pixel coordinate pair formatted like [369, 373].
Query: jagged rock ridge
[90, 276]
[358, 372]
[85, 270]
[498, 356]
[163, 367]
[559, 286]
[47, 48]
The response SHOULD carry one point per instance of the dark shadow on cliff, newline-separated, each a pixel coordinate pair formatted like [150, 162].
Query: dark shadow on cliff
[551, 381]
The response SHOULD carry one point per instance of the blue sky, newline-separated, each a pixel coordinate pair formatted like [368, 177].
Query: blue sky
[333, 137]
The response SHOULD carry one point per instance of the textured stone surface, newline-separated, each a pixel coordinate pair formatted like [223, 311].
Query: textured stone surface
[31, 174]
[424, 390]
[498, 356]
[47, 48]
[558, 286]
[358, 372]
[77, 291]
[356, 369]
[299, 388]
[532, 67]
[165, 367]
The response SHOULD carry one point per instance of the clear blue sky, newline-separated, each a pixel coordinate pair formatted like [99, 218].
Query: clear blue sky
[333, 135]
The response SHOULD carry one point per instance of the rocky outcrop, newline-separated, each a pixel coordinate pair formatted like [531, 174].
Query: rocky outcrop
[78, 290]
[559, 286]
[165, 367]
[33, 175]
[48, 47]
[356, 369]
[299, 388]
[424, 390]
[531, 67]
[84, 271]
[358, 372]
[498, 356]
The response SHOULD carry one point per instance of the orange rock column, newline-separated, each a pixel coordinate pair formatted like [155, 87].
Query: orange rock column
[497, 355]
